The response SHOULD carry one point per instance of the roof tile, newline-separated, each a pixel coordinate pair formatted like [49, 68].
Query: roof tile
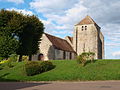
[60, 43]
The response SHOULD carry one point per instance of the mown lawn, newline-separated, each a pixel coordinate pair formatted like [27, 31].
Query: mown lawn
[67, 70]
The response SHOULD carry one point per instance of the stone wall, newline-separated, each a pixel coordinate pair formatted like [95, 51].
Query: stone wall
[51, 53]
[35, 57]
[86, 40]
[46, 48]
[59, 55]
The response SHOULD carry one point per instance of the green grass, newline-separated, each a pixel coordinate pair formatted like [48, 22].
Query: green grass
[67, 71]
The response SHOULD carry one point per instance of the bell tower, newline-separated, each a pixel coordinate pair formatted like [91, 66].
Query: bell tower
[88, 37]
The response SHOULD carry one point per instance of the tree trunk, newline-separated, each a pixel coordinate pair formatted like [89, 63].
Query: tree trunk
[30, 57]
[20, 58]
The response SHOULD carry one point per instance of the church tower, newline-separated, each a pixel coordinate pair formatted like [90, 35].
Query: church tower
[88, 37]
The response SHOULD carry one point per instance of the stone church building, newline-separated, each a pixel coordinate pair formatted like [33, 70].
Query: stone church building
[86, 37]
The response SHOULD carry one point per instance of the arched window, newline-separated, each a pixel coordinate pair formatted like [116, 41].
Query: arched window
[40, 57]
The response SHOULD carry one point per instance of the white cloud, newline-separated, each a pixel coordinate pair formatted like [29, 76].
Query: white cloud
[70, 12]
[15, 1]
[66, 13]
[52, 6]
[24, 11]
[62, 14]
[116, 54]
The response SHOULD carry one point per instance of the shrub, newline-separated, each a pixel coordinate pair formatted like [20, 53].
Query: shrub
[46, 66]
[13, 57]
[1, 58]
[91, 56]
[81, 59]
[34, 67]
[84, 57]
[25, 58]
[4, 61]
[9, 63]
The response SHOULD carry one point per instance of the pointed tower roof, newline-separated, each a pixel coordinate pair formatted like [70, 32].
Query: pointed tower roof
[87, 20]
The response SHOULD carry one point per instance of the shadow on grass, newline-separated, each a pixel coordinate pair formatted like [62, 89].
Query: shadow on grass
[2, 79]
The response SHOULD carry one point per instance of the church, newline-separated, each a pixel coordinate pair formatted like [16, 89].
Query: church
[87, 37]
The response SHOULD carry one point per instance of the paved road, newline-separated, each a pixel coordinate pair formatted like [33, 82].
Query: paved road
[92, 85]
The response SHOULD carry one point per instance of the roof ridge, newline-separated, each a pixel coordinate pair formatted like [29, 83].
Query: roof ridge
[59, 43]
[55, 36]
[87, 20]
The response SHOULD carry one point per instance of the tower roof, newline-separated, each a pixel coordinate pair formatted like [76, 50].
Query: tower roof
[87, 20]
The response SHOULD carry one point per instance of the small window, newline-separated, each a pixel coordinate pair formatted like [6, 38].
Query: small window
[85, 27]
[82, 28]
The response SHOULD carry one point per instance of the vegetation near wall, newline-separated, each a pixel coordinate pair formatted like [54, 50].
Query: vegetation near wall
[85, 57]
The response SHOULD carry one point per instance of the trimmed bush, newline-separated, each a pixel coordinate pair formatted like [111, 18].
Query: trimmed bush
[34, 67]
[46, 66]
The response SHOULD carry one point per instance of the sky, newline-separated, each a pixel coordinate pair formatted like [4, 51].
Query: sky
[60, 16]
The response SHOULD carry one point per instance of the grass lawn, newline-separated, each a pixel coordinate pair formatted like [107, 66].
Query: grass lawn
[67, 70]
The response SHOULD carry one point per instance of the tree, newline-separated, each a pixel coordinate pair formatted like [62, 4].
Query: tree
[30, 37]
[37, 32]
[24, 30]
[8, 44]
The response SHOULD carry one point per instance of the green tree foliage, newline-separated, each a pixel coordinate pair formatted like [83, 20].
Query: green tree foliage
[22, 33]
[8, 46]
[30, 37]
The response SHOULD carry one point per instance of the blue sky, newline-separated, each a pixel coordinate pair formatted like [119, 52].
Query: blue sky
[60, 16]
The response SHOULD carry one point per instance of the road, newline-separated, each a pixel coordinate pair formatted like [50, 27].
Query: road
[89, 85]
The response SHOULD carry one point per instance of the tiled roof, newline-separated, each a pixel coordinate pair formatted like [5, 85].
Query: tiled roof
[87, 20]
[60, 43]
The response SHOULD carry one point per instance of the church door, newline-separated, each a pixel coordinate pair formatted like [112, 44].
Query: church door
[40, 57]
